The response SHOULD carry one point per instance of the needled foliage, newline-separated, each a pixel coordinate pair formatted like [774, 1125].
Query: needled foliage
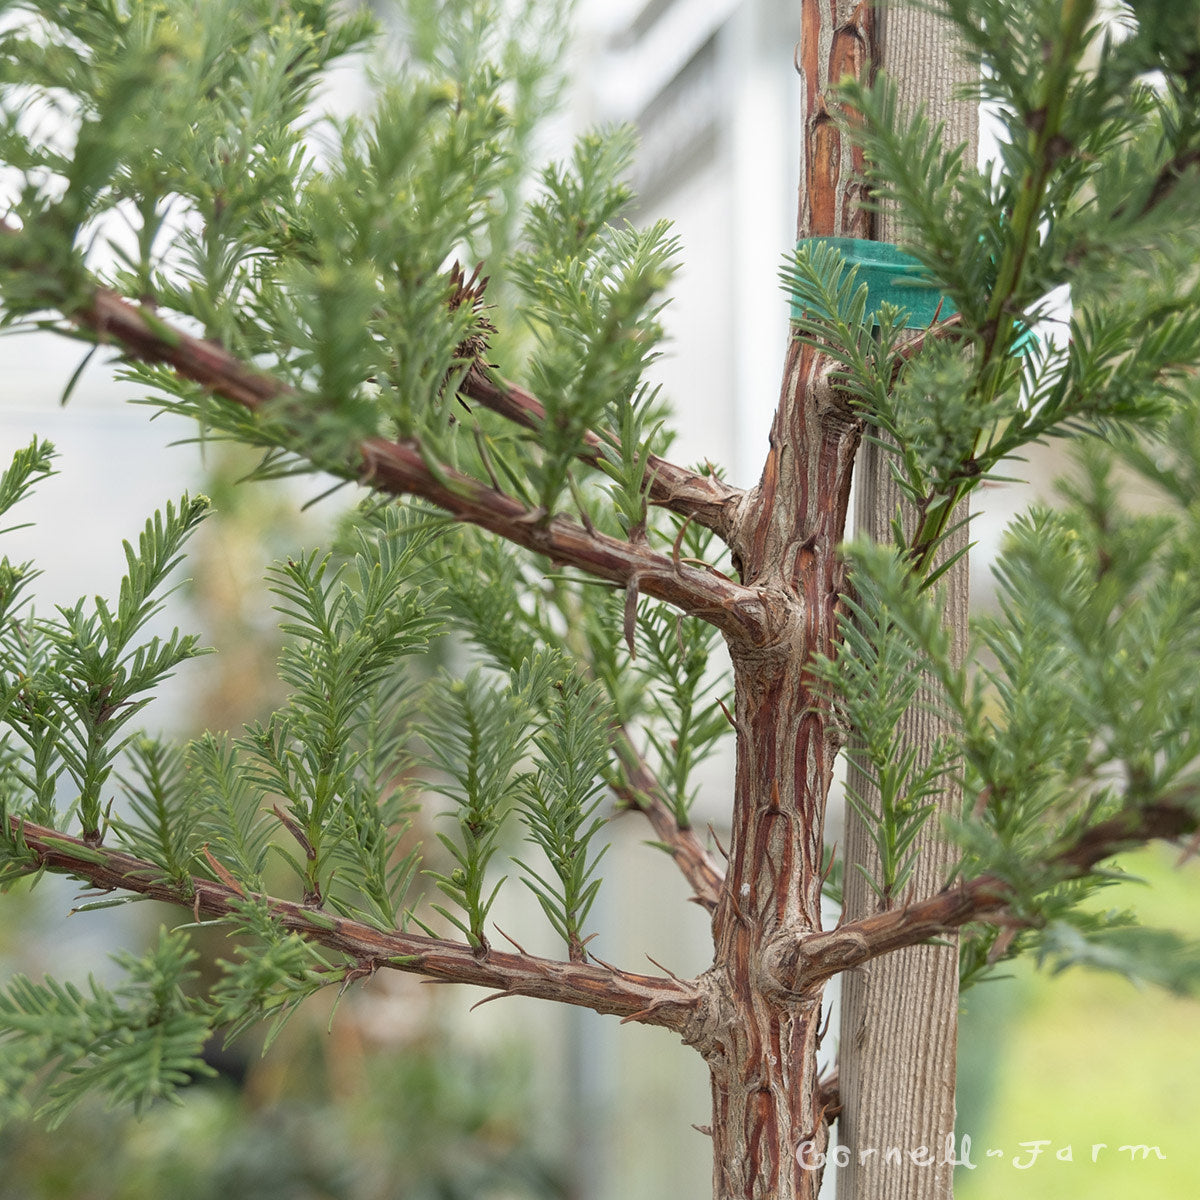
[78, 678]
[135, 1044]
[1077, 704]
[194, 167]
[338, 291]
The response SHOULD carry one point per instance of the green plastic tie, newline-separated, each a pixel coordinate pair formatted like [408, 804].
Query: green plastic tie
[896, 278]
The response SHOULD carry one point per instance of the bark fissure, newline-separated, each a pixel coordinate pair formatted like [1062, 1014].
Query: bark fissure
[762, 1056]
[761, 1043]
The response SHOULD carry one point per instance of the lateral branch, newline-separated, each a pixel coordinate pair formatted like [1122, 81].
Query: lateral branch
[802, 964]
[647, 999]
[638, 788]
[400, 468]
[707, 500]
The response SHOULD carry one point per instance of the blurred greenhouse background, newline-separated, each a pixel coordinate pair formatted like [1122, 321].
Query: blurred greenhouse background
[406, 1094]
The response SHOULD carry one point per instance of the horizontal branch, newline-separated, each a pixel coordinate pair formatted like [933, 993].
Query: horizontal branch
[707, 500]
[947, 329]
[647, 999]
[804, 963]
[1168, 178]
[639, 789]
[400, 468]
[738, 611]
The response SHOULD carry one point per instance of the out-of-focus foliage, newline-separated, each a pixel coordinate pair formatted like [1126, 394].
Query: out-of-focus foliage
[426, 1121]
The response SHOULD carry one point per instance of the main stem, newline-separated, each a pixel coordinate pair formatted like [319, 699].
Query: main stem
[760, 1043]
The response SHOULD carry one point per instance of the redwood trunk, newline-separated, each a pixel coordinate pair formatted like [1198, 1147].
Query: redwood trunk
[769, 1121]
[761, 1045]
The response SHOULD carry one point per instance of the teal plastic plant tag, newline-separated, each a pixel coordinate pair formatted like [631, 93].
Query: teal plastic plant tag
[896, 278]
[892, 277]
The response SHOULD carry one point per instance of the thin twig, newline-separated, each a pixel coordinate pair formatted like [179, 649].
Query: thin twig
[639, 789]
[702, 498]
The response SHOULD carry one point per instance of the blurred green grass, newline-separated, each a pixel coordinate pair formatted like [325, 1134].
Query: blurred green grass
[1084, 1058]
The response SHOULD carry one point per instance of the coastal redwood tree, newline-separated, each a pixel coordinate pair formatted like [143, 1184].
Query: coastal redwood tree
[309, 286]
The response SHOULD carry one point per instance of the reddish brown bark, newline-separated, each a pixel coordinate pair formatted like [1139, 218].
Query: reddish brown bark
[761, 1043]
[648, 999]
[837, 39]
[762, 1050]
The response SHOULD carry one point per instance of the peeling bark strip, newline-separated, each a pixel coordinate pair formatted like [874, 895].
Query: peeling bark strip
[647, 999]
[837, 39]
[766, 1102]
